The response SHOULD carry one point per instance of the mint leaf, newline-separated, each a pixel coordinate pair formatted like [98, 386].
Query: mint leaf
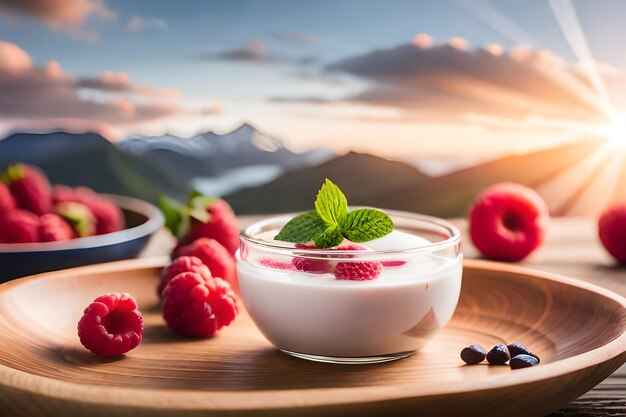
[331, 203]
[363, 225]
[329, 238]
[302, 228]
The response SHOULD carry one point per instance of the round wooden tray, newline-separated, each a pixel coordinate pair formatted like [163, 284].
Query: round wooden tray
[578, 329]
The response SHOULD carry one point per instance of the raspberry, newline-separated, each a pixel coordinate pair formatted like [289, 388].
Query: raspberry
[612, 231]
[180, 265]
[358, 270]
[508, 221]
[107, 216]
[19, 226]
[30, 187]
[7, 202]
[196, 306]
[52, 228]
[320, 266]
[213, 255]
[222, 226]
[79, 216]
[112, 325]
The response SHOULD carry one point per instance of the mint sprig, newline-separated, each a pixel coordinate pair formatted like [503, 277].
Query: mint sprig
[331, 222]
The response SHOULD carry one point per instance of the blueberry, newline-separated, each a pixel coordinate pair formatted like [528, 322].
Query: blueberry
[523, 361]
[473, 354]
[519, 349]
[498, 355]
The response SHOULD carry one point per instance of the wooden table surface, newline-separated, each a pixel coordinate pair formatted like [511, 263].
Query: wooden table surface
[572, 249]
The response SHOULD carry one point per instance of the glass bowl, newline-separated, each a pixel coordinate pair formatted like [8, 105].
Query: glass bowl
[318, 317]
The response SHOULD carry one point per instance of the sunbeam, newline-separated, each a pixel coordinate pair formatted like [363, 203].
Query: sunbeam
[568, 22]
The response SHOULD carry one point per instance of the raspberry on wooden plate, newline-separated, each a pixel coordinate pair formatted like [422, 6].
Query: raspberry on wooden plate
[111, 325]
[180, 265]
[196, 306]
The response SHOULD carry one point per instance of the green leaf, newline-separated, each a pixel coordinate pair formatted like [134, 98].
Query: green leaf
[302, 228]
[366, 224]
[173, 213]
[329, 238]
[331, 203]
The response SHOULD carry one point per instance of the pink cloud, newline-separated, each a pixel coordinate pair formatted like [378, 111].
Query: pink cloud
[65, 15]
[45, 95]
[452, 80]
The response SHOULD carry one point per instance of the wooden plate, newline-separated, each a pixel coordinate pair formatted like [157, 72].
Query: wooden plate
[578, 329]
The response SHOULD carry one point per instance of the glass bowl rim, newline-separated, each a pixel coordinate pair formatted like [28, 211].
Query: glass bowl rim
[454, 239]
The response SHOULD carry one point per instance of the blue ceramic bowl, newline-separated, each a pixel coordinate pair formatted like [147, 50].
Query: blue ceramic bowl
[142, 221]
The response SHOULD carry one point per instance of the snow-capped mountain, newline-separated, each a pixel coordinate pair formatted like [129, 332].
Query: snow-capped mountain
[210, 154]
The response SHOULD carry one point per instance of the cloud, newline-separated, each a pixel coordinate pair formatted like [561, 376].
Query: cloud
[46, 94]
[258, 53]
[62, 15]
[296, 37]
[119, 82]
[453, 80]
[139, 24]
[255, 52]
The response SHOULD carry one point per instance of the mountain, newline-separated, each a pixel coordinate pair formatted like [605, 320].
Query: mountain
[451, 195]
[370, 180]
[91, 160]
[362, 177]
[210, 154]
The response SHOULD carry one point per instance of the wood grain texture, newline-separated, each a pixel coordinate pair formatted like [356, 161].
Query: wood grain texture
[577, 329]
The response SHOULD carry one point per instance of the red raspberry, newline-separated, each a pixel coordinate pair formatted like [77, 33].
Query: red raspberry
[214, 255]
[108, 217]
[19, 226]
[30, 187]
[112, 325]
[79, 216]
[358, 270]
[508, 221]
[7, 202]
[180, 265]
[52, 228]
[196, 306]
[320, 266]
[312, 266]
[222, 226]
[612, 231]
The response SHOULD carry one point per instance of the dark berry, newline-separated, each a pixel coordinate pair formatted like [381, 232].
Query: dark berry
[498, 355]
[519, 349]
[473, 354]
[523, 361]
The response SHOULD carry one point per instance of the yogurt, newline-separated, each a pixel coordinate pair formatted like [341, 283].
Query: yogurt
[317, 315]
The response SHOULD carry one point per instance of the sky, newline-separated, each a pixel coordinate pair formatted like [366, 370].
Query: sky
[408, 79]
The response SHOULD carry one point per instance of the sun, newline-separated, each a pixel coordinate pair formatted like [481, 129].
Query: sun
[617, 131]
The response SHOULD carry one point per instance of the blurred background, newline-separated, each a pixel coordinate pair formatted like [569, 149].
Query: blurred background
[412, 105]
